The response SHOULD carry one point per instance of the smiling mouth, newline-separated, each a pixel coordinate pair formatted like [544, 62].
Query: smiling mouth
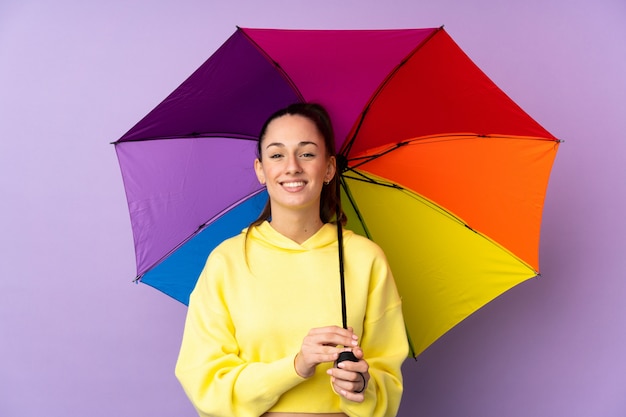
[293, 184]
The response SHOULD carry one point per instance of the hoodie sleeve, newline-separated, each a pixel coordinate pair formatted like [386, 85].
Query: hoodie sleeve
[216, 380]
[385, 346]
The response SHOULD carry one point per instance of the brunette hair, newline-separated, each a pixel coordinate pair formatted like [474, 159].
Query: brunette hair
[330, 204]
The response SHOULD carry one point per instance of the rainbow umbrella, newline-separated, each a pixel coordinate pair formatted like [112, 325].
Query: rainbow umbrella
[439, 166]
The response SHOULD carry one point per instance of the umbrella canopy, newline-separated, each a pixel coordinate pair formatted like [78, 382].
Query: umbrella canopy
[439, 166]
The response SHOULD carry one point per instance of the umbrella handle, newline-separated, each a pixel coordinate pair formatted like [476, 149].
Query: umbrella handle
[346, 356]
[343, 356]
[342, 280]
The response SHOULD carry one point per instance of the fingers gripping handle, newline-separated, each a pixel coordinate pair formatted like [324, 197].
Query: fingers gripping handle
[346, 356]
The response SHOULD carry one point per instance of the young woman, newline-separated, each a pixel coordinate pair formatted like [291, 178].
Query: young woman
[262, 334]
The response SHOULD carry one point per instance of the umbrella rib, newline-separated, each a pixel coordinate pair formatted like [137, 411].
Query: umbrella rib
[380, 88]
[365, 178]
[356, 208]
[192, 135]
[365, 159]
[197, 231]
[360, 176]
[362, 160]
[280, 69]
[227, 209]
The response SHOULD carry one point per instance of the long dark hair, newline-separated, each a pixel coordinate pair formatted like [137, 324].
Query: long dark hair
[330, 204]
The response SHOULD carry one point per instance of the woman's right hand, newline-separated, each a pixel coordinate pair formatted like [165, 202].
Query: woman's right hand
[323, 344]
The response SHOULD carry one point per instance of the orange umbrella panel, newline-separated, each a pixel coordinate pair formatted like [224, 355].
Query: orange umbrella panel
[494, 185]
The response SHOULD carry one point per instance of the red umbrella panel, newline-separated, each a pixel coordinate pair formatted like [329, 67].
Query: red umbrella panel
[442, 169]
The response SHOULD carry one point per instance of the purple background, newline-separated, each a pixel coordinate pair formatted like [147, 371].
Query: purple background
[77, 338]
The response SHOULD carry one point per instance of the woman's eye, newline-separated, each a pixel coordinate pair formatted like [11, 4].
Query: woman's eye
[275, 156]
[308, 155]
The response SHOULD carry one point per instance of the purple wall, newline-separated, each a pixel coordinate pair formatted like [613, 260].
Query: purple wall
[77, 338]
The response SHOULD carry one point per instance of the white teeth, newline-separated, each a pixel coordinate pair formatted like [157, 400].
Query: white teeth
[293, 184]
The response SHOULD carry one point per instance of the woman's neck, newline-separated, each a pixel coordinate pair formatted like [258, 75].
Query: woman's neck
[297, 228]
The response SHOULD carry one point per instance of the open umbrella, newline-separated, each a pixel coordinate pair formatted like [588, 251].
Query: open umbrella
[439, 167]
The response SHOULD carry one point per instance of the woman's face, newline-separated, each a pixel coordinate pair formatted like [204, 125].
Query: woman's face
[294, 165]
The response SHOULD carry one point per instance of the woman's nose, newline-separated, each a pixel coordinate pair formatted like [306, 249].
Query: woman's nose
[293, 165]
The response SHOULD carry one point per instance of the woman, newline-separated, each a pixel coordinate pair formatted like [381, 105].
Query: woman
[261, 336]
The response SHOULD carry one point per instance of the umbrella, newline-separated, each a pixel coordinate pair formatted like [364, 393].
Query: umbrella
[438, 165]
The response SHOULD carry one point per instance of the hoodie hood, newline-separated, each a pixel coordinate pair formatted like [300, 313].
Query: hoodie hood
[324, 237]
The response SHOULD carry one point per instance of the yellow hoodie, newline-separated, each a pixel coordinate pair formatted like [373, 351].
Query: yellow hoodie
[251, 309]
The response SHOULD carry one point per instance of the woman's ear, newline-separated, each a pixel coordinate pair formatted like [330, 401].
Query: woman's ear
[258, 169]
[331, 169]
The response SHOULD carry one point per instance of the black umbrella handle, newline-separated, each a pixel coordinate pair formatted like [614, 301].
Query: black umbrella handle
[342, 279]
[346, 356]
[341, 162]
[343, 356]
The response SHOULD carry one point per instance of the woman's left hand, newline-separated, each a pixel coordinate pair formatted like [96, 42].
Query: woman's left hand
[350, 379]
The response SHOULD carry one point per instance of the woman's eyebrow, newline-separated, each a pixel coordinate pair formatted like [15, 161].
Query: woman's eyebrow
[282, 145]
